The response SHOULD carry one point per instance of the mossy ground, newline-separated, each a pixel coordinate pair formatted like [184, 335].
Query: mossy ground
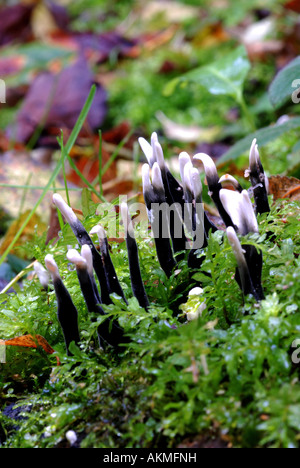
[229, 375]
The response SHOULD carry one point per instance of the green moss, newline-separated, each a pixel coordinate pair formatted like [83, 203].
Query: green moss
[231, 369]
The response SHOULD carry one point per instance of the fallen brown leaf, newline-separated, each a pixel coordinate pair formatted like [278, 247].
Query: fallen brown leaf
[55, 101]
[27, 234]
[293, 5]
[15, 23]
[284, 187]
[28, 341]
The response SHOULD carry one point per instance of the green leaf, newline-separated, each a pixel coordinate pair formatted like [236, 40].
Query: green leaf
[285, 84]
[263, 136]
[223, 77]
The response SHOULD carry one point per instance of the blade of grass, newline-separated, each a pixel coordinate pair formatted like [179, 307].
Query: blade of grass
[24, 194]
[14, 281]
[38, 187]
[59, 215]
[112, 158]
[66, 150]
[85, 181]
[61, 143]
[116, 152]
[136, 161]
[100, 163]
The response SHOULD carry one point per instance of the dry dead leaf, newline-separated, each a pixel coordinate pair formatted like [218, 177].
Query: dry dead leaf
[28, 341]
[28, 232]
[293, 5]
[284, 187]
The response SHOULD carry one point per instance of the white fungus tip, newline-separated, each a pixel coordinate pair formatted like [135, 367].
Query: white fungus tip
[184, 158]
[147, 150]
[187, 176]
[74, 257]
[209, 166]
[159, 155]
[95, 229]
[249, 212]
[231, 234]
[239, 207]
[86, 253]
[154, 138]
[228, 180]
[124, 211]
[64, 208]
[196, 183]
[71, 437]
[99, 230]
[126, 218]
[253, 155]
[51, 266]
[146, 177]
[157, 181]
[41, 273]
[236, 247]
[196, 291]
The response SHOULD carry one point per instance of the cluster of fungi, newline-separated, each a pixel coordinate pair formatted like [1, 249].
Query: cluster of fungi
[238, 213]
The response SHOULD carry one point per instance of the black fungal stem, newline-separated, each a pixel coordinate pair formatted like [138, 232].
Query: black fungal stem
[66, 311]
[137, 284]
[108, 331]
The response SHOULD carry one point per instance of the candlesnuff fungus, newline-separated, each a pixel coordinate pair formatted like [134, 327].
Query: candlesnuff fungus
[102, 264]
[249, 266]
[154, 154]
[85, 282]
[42, 274]
[259, 180]
[214, 185]
[192, 188]
[241, 210]
[228, 181]
[173, 192]
[110, 272]
[188, 195]
[148, 149]
[161, 192]
[87, 255]
[239, 207]
[137, 284]
[66, 311]
[108, 331]
[154, 195]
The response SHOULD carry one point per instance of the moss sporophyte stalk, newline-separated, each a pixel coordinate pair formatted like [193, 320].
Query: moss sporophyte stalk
[186, 330]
